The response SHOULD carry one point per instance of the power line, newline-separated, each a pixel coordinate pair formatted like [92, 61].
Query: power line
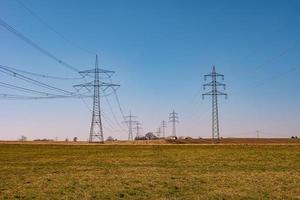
[36, 46]
[271, 78]
[51, 96]
[41, 75]
[107, 120]
[42, 21]
[284, 52]
[119, 105]
[118, 101]
[86, 105]
[23, 97]
[18, 88]
[113, 114]
[4, 70]
[274, 77]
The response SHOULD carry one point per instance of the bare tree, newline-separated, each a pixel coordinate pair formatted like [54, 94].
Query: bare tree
[23, 138]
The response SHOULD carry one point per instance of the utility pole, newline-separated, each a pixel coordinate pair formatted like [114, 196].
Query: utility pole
[138, 128]
[214, 93]
[163, 126]
[173, 118]
[130, 122]
[96, 130]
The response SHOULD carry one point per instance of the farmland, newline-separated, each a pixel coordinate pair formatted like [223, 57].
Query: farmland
[52, 171]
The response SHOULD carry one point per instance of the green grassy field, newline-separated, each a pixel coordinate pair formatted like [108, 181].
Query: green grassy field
[150, 172]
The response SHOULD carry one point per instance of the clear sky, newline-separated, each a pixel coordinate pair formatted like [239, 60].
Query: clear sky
[160, 50]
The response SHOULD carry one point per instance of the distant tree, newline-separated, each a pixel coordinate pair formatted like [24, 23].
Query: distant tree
[66, 140]
[150, 136]
[23, 138]
[110, 138]
[140, 138]
[75, 139]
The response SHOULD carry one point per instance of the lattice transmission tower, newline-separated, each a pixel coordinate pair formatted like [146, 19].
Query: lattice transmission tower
[138, 128]
[163, 126]
[99, 87]
[130, 121]
[173, 118]
[214, 93]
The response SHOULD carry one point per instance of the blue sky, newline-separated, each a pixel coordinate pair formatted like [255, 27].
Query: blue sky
[160, 51]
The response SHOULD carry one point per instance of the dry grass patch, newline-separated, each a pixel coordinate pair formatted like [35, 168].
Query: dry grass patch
[149, 172]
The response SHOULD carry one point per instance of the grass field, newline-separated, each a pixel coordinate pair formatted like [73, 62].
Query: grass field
[149, 171]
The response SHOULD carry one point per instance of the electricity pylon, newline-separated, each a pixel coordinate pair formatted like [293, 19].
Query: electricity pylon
[138, 127]
[257, 133]
[214, 93]
[163, 126]
[130, 122]
[96, 130]
[173, 118]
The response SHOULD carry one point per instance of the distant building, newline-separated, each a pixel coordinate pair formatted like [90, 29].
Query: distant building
[172, 138]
